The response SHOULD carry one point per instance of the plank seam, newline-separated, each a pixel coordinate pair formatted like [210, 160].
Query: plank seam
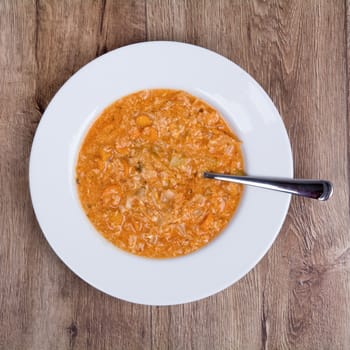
[346, 22]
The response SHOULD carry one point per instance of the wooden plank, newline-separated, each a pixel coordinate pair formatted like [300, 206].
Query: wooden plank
[296, 51]
[17, 84]
[313, 255]
[298, 296]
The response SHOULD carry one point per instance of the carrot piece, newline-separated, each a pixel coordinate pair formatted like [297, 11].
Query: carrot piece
[143, 121]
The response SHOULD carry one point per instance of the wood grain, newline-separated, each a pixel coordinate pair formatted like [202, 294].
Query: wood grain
[298, 296]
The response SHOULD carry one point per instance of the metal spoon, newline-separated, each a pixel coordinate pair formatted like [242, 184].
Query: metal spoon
[316, 189]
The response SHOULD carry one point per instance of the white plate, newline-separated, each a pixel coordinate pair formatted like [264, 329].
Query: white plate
[248, 110]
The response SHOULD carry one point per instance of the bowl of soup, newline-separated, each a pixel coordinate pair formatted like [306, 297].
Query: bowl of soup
[116, 173]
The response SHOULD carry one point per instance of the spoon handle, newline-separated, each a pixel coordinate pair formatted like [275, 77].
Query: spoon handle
[316, 189]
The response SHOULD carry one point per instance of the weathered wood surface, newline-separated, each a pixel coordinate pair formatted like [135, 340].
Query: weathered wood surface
[298, 297]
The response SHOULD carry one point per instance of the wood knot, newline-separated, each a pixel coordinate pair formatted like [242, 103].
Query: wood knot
[73, 332]
[39, 106]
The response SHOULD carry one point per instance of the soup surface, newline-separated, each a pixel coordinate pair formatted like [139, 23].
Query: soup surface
[140, 171]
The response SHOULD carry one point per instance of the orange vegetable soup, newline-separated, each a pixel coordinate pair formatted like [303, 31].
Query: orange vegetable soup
[140, 171]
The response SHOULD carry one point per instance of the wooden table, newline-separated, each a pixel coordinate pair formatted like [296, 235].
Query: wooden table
[298, 297]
